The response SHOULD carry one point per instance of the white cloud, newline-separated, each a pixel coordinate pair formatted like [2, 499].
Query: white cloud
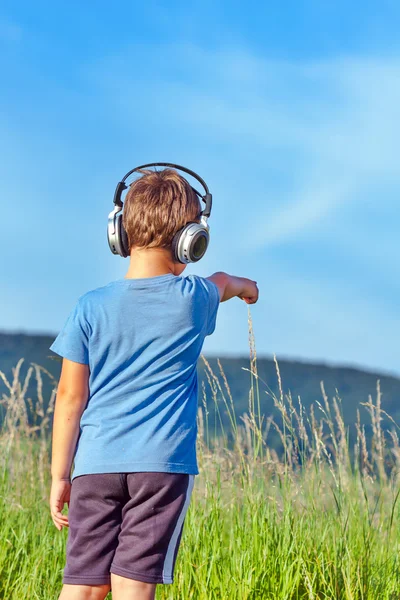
[314, 201]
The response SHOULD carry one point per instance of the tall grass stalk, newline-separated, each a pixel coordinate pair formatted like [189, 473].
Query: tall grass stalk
[312, 520]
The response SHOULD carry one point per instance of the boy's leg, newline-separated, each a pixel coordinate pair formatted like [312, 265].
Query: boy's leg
[84, 592]
[130, 589]
[94, 525]
[152, 523]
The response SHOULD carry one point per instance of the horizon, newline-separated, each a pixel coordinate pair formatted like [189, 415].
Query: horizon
[244, 356]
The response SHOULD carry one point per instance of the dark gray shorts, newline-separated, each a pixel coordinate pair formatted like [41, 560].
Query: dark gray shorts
[129, 524]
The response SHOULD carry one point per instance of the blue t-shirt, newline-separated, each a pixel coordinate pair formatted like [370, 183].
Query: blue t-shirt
[141, 339]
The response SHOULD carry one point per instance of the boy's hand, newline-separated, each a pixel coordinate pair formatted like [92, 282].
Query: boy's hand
[250, 293]
[60, 494]
[230, 286]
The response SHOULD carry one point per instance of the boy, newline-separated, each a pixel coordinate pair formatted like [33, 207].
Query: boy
[126, 403]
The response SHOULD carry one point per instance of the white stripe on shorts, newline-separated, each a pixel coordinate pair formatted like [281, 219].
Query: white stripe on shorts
[168, 562]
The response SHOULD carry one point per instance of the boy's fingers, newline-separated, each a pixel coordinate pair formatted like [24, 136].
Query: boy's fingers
[60, 518]
[59, 523]
[63, 519]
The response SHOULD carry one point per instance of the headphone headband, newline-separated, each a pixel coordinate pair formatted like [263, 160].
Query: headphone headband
[207, 198]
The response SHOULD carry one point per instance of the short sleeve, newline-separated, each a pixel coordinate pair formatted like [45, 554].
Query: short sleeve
[73, 340]
[213, 304]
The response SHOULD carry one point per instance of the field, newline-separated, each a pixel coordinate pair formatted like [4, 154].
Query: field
[319, 520]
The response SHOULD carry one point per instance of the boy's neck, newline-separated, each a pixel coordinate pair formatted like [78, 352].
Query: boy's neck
[152, 262]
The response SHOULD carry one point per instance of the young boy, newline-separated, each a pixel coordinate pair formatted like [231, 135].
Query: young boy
[126, 403]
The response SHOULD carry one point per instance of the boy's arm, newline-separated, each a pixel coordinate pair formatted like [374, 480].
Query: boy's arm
[72, 396]
[230, 286]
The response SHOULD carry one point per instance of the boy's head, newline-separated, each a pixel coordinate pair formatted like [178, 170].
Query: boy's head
[156, 206]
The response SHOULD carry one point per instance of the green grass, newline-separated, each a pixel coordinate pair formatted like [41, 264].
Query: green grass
[319, 521]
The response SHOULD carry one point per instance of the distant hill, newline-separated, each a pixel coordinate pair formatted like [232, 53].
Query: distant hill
[302, 379]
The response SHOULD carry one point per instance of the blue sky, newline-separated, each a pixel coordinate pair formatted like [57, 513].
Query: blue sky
[290, 113]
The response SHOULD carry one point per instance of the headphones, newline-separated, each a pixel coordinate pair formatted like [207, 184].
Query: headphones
[189, 243]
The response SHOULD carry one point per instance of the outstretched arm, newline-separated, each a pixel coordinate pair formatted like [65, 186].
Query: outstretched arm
[230, 286]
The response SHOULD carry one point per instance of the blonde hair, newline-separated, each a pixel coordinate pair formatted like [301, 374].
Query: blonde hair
[156, 206]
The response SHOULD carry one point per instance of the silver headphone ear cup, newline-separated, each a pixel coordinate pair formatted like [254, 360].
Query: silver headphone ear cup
[198, 245]
[116, 234]
[190, 235]
[112, 236]
[175, 245]
[122, 237]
